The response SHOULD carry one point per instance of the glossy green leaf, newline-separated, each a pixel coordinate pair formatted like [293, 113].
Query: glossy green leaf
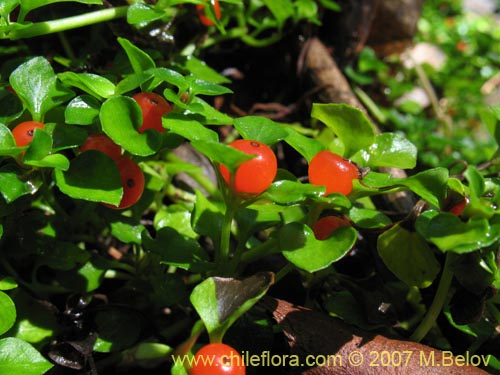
[221, 301]
[201, 87]
[39, 153]
[281, 9]
[14, 184]
[170, 76]
[82, 110]
[290, 192]
[143, 13]
[127, 232]
[120, 118]
[188, 127]
[368, 218]
[85, 278]
[301, 248]
[139, 59]
[66, 137]
[19, 357]
[7, 142]
[182, 251]
[91, 176]
[62, 255]
[36, 84]
[408, 256]
[7, 283]
[307, 147]
[201, 70]
[449, 233]
[212, 116]
[92, 84]
[7, 313]
[221, 153]
[389, 150]
[133, 81]
[207, 218]
[177, 217]
[261, 129]
[348, 123]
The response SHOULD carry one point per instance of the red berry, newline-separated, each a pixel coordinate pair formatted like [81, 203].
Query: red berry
[203, 18]
[153, 107]
[332, 171]
[23, 133]
[458, 208]
[217, 359]
[253, 176]
[132, 180]
[101, 142]
[325, 226]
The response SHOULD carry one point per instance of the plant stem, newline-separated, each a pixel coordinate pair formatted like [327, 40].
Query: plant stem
[69, 23]
[437, 304]
[222, 256]
[260, 250]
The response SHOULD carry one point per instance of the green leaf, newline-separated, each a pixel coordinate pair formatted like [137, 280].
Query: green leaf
[349, 124]
[112, 336]
[62, 255]
[281, 10]
[449, 233]
[14, 184]
[201, 70]
[19, 357]
[91, 176]
[182, 251]
[120, 118]
[7, 142]
[92, 84]
[36, 85]
[211, 115]
[368, 218]
[408, 256]
[290, 192]
[7, 6]
[301, 248]
[82, 110]
[67, 137]
[7, 283]
[221, 301]
[39, 153]
[139, 59]
[221, 153]
[189, 127]
[261, 129]
[127, 232]
[133, 81]
[7, 313]
[307, 147]
[201, 87]
[143, 13]
[389, 150]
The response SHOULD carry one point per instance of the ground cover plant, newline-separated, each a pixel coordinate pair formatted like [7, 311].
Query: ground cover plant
[157, 209]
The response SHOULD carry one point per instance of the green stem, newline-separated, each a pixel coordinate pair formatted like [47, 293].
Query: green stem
[268, 247]
[222, 256]
[69, 23]
[437, 304]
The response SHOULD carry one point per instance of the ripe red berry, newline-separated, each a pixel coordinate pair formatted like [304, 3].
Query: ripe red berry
[23, 133]
[217, 359]
[253, 176]
[325, 226]
[203, 18]
[101, 142]
[332, 171]
[153, 107]
[132, 179]
[458, 208]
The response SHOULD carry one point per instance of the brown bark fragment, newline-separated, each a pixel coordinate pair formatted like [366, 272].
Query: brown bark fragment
[311, 332]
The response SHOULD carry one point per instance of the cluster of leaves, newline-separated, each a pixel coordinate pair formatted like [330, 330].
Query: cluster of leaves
[461, 65]
[74, 272]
